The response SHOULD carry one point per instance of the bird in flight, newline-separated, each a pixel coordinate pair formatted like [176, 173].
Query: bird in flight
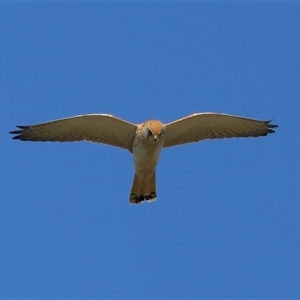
[146, 140]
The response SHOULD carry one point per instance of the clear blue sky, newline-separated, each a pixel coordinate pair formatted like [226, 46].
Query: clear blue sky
[226, 222]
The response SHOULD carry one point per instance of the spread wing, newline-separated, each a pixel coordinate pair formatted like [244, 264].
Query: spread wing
[99, 128]
[202, 126]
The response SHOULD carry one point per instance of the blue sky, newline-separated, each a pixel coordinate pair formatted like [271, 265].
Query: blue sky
[226, 222]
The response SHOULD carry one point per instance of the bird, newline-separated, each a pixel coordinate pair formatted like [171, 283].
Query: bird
[146, 140]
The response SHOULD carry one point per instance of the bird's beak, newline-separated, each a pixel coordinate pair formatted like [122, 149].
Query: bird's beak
[155, 137]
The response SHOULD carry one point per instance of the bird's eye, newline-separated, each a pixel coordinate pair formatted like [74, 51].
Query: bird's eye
[149, 132]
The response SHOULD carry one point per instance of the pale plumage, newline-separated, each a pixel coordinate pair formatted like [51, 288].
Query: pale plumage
[145, 140]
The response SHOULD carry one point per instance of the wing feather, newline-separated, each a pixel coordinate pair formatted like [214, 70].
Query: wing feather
[201, 126]
[99, 128]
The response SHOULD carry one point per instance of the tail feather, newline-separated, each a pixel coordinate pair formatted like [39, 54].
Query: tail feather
[143, 190]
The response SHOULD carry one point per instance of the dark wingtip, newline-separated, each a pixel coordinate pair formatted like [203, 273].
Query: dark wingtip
[271, 126]
[17, 137]
[15, 132]
[18, 132]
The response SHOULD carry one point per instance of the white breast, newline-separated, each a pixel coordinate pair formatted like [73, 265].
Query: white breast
[145, 157]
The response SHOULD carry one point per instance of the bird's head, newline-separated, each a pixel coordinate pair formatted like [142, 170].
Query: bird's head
[154, 130]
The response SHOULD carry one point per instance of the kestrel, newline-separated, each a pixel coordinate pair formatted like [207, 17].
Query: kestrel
[145, 141]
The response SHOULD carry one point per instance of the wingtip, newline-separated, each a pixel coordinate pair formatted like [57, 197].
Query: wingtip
[271, 126]
[17, 137]
[18, 133]
[15, 132]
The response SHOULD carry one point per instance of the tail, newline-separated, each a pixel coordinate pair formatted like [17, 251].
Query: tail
[142, 190]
